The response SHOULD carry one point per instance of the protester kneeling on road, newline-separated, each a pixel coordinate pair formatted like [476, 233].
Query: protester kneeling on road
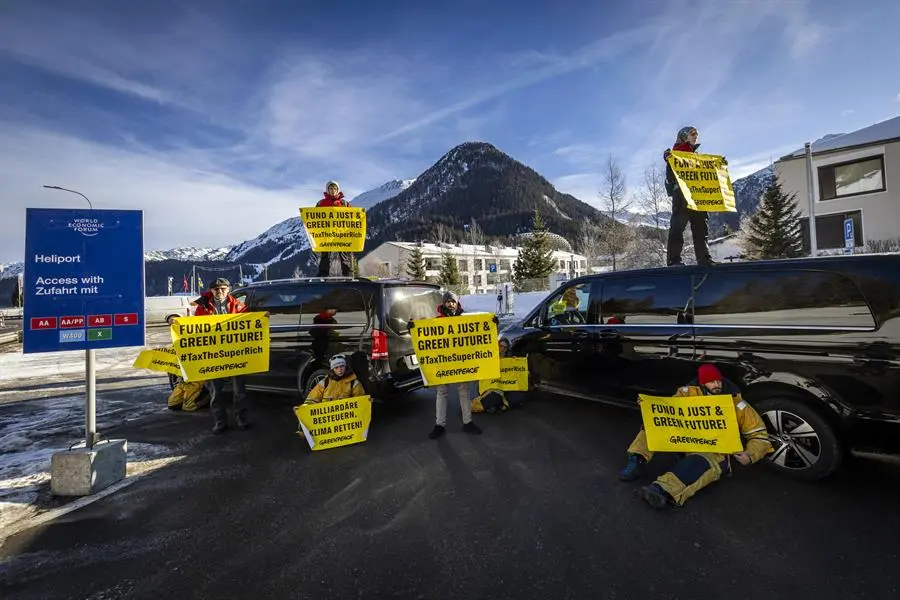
[695, 471]
[219, 301]
[339, 384]
[494, 401]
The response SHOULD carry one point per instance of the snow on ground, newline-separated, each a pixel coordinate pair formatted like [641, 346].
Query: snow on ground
[16, 365]
[32, 431]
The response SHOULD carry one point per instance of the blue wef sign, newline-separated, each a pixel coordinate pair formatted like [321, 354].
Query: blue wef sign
[84, 279]
[849, 236]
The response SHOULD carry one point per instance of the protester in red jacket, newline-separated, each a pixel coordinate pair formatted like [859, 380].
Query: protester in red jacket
[333, 197]
[218, 301]
[686, 141]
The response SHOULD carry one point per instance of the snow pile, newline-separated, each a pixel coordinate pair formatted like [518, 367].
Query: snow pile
[10, 270]
[32, 431]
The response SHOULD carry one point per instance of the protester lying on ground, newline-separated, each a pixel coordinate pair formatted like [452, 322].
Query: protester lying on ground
[695, 471]
[188, 396]
[339, 384]
[493, 401]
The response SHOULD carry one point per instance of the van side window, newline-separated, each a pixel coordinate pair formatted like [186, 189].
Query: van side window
[651, 300]
[282, 304]
[568, 306]
[779, 298]
[344, 305]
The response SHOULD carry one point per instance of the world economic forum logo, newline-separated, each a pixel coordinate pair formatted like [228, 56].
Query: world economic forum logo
[86, 226]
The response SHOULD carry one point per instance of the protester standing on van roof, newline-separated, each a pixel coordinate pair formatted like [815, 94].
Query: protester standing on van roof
[219, 301]
[697, 470]
[686, 141]
[333, 197]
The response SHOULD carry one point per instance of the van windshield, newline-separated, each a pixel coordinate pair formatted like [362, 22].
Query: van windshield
[413, 302]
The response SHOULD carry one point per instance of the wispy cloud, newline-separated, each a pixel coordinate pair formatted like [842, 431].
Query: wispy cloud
[550, 66]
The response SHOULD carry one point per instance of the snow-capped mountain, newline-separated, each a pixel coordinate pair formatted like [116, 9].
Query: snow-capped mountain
[10, 270]
[747, 193]
[280, 242]
[477, 181]
[385, 192]
[188, 253]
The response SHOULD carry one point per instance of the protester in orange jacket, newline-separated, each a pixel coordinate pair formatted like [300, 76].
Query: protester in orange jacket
[333, 197]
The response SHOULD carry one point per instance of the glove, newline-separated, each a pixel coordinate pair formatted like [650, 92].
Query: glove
[667, 154]
[410, 324]
[496, 320]
[724, 161]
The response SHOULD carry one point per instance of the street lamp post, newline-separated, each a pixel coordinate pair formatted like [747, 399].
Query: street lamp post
[90, 368]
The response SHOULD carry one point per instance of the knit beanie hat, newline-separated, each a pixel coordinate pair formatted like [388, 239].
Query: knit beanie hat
[337, 361]
[684, 132]
[707, 373]
[332, 183]
[448, 295]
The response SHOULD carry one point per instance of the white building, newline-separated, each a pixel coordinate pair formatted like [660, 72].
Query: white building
[855, 175]
[480, 267]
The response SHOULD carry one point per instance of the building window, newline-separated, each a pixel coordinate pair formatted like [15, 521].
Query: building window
[504, 265]
[479, 265]
[830, 230]
[478, 280]
[432, 264]
[865, 176]
[463, 265]
[562, 265]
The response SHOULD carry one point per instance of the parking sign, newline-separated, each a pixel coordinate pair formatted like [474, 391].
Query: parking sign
[849, 237]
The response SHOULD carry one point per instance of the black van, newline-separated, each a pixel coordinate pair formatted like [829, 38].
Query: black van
[813, 343]
[312, 319]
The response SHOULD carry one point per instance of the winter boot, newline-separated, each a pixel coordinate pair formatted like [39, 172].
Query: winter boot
[632, 469]
[241, 420]
[655, 496]
[219, 427]
[472, 428]
[437, 432]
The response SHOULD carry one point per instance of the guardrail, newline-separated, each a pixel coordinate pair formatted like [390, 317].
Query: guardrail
[10, 337]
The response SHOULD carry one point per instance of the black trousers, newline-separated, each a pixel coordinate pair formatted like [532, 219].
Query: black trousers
[325, 264]
[699, 220]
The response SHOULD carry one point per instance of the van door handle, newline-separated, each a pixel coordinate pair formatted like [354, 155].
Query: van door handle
[580, 334]
[609, 335]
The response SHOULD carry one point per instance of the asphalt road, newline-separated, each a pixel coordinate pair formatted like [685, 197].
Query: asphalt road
[530, 509]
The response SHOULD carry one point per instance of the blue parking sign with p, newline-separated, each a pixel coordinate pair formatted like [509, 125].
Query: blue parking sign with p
[849, 237]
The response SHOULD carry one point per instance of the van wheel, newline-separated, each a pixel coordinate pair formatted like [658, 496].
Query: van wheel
[171, 319]
[806, 446]
[313, 380]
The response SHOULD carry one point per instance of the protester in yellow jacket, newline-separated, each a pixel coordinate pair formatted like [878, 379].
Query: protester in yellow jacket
[695, 471]
[338, 385]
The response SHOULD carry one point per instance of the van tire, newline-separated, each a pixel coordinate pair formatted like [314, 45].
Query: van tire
[314, 378]
[806, 445]
[171, 319]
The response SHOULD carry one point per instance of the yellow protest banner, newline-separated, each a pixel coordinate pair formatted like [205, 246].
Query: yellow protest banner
[164, 360]
[456, 349]
[214, 346]
[335, 228]
[704, 181]
[337, 423]
[513, 377]
[691, 424]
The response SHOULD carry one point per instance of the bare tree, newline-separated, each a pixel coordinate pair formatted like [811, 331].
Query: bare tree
[614, 234]
[590, 243]
[650, 241]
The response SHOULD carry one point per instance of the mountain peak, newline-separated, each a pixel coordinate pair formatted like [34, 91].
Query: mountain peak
[381, 193]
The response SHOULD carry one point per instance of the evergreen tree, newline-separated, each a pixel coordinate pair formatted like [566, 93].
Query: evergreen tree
[535, 260]
[449, 276]
[774, 231]
[415, 264]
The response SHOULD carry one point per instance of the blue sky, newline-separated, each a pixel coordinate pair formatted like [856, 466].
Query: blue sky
[220, 118]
